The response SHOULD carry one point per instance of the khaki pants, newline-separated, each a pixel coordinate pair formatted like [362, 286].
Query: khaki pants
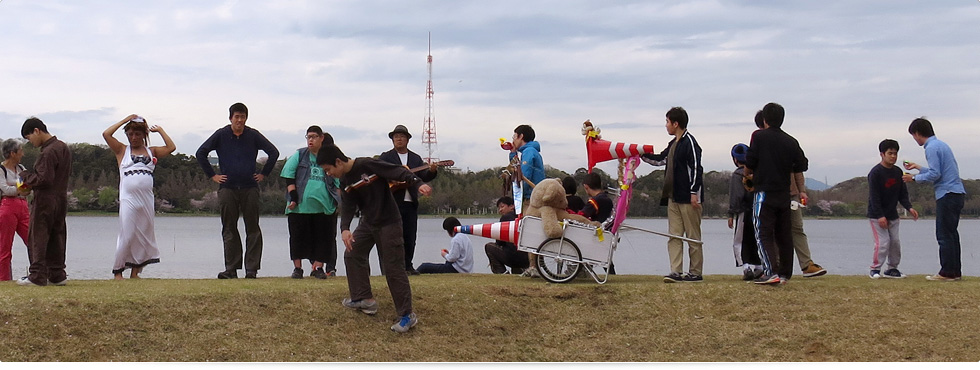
[684, 220]
[800, 244]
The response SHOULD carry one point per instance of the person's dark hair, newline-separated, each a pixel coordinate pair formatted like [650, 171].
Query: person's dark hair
[329, 154]
[237, 107]
[450, 223]
[10, 146]
[759, 120]
[315, 129]
[922, 126]
[143, 127]
[887, 144]
[593, 181]
[678, 115]
[526, 132]
[30, 124]
[569, 184]
[505, 200]
[327, 139]
[773, 114]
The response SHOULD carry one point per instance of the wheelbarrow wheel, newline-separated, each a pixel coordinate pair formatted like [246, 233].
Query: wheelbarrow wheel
[558, 260]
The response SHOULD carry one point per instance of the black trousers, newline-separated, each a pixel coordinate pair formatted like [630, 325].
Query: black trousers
[773, 232]
[313, 237]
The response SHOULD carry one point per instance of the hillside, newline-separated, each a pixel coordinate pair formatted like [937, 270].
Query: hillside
[180, 187]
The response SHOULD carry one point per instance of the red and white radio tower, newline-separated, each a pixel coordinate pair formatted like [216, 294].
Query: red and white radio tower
[429, 124]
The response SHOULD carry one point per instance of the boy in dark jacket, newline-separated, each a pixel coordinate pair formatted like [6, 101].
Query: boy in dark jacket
[740, 218]
[885, 191]
[380, 224]
[773, 157]
[682, 194]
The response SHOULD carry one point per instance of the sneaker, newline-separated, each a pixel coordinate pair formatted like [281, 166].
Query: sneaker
[332, 272]
[253, 274]
[60, 283]
[515, 271]
[691, 278]
[531, 273]
[813, 270]
[24, 281]
[874, 274]
[230, 274]
[319, 274]
[936, 277]
[783, 280]
[297, 273]
[365, 307]
[412, 271]
[405, 323]
[767, 280]
[748, 275]
[674, 277]
[893, 274]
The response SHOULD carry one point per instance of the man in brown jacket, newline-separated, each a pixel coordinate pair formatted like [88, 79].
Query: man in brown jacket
[49, 180]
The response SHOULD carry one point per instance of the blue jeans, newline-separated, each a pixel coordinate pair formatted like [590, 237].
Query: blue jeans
[437, 268]
[948, 210]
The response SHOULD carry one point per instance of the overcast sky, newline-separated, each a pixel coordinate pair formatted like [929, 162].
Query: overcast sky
[849, 73]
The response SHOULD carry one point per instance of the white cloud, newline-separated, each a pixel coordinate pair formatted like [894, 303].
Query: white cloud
[847, 72]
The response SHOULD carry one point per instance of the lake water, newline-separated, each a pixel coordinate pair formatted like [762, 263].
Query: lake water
[191, 247]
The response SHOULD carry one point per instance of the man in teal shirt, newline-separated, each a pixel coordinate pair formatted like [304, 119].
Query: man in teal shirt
[311, 210]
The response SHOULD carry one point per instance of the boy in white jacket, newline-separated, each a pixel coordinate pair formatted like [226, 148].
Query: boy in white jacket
[459, 257]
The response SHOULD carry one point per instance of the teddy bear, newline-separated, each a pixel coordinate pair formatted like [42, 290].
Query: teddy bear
[549, 203]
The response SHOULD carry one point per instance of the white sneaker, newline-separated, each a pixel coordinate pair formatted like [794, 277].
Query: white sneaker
[24, 281]
[406, 322]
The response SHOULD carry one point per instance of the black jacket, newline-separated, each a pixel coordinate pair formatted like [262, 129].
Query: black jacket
[414, 161]
[773, 157]
[688, 173]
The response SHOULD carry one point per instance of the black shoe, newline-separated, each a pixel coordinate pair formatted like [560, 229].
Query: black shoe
[412, 272]
[254, 274]
[673, 278]
[516, 270]
[319, 274]
[748, 275]
[230, 274]
[297, 273]
[691, 278]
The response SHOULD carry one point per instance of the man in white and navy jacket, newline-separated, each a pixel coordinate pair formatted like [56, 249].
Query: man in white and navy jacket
[682, 194]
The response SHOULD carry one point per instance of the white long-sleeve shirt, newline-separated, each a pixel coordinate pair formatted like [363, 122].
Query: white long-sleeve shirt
[461, 253]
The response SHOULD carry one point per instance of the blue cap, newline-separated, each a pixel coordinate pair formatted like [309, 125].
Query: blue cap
[739, 151]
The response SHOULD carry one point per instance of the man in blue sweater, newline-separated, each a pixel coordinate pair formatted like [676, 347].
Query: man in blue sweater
[237, 146]
[944, 174]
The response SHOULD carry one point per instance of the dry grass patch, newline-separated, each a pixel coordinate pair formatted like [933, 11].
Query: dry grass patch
[495, 318]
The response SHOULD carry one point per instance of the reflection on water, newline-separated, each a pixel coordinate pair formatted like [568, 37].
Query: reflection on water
[190, 247]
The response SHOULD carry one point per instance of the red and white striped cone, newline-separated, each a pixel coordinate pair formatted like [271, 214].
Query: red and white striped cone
[506, 230]
[604, 150]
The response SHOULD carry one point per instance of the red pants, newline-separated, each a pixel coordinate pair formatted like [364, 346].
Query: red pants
[14, 218]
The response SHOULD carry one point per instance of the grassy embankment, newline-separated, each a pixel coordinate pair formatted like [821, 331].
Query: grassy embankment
[495, 318]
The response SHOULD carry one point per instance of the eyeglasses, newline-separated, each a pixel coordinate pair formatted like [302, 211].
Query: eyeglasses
[312, 136]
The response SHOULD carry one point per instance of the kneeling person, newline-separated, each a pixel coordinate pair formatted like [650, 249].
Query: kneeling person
[459, 257]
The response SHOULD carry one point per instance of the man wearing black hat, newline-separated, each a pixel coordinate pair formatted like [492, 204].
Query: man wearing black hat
[407, 199]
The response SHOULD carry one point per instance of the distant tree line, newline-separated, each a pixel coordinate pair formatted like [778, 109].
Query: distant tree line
[181, 187]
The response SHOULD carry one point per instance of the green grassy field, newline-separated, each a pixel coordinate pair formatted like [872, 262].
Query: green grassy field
[495, 318]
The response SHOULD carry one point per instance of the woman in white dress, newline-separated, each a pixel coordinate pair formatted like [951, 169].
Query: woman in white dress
[136, 246]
